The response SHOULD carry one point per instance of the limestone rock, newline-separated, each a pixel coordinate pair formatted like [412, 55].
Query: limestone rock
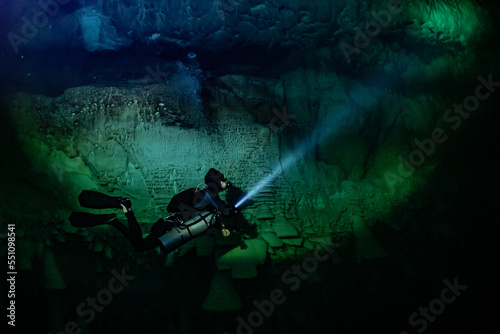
[284, 229]
[244, 259]
[309, 231]
[263, 212]
[321, 239]
[134, 183]
[266, 226]
[272, 239]
[308, 245]
[72, 174]
[293, 241]
[108, 159]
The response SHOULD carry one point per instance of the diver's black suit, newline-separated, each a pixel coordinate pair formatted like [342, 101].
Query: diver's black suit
[209, 201]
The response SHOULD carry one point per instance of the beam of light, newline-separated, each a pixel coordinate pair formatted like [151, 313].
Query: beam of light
[274, 174]
[327, 126]
[330, 124]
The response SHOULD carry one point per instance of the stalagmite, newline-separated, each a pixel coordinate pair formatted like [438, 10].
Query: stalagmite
[367, 247]
[108, 251]
[222, 296]
[98, 245]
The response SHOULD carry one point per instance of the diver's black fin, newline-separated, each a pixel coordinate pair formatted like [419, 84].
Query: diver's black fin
[96, 200]
[85, 219]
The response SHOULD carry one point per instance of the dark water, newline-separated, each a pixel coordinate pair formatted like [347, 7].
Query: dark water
[374, 296]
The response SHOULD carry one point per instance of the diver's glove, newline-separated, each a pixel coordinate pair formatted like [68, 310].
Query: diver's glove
[125, 202]
[225, 232]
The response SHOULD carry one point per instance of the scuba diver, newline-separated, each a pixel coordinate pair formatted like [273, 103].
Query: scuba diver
[195, 211]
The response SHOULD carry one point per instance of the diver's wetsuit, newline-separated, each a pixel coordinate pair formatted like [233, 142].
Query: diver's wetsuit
[205, 200]
[210, 201]
[134, 233]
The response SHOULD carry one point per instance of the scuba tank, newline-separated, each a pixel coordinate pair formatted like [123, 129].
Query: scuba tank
[187, 231]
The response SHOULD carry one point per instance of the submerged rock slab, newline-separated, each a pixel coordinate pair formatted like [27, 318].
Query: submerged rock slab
[272, 239]
[263, 212]
[244, 259]
[284, 229]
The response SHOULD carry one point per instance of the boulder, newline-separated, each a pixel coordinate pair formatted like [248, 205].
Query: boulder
[284, 229]
[272, 239]
[293, 241]
[263, 212]
[243, 260]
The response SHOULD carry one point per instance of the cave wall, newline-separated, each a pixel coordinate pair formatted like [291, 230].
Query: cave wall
[333, 149]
